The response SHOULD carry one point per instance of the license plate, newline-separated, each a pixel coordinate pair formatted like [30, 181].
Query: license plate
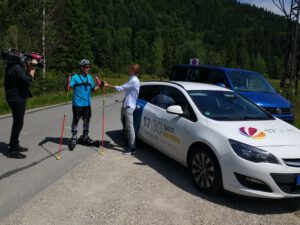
[298, 180]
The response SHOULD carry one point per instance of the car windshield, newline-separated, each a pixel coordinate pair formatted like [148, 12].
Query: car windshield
[249, 81]
[227, 106]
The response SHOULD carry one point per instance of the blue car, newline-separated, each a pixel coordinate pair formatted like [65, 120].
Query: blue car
[249, 84]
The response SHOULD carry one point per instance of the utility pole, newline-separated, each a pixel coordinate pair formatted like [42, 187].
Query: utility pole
[43, 38]
[291, 74]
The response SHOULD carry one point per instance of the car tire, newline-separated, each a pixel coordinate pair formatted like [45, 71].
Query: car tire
[205, 170]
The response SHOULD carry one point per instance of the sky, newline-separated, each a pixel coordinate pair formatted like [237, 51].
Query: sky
[267, 4]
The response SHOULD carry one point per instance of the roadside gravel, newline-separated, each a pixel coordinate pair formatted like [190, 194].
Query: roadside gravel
[146, 189]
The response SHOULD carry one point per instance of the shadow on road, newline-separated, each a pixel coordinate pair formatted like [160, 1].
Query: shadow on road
[55, 140]
[4, 148]
[180, 176]
[65, 141]
[116, 136]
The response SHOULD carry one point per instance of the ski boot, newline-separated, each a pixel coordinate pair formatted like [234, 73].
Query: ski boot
[72, 143]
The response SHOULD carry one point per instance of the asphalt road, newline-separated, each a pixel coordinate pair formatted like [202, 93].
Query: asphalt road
[21, 179]
[87, 188]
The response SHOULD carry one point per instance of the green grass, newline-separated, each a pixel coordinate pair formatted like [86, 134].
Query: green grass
[57, 96]
[293, 99]
[46, 99]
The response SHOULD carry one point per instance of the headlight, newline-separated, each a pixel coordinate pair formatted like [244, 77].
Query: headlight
[251, 153]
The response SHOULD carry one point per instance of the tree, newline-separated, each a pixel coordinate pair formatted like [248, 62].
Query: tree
[121, 49]
[243, 59]
[260, 64]
[114, 33]
[76, 42]
[141, 48]
[193, 49]
[103, 46]
[157, 57]
[3, 27]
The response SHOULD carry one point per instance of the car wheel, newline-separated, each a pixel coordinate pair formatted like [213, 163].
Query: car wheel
[206, 170]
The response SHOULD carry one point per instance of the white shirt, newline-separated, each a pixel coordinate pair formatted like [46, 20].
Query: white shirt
[131, 88]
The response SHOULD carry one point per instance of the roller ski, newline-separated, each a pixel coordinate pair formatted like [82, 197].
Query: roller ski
[72, 144]
[87, 141]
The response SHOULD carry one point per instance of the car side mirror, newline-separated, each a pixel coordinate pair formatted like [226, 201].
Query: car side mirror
[175, 109]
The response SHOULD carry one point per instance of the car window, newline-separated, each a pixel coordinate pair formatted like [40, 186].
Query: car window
[218, 77]
[227, 106]
[249, 81]
[200, 75]
[148, 92]
[163, 100]
[179, 73]
[179, 99]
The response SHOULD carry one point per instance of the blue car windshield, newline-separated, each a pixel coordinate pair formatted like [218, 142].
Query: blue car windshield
[227, 106]
[249, 81]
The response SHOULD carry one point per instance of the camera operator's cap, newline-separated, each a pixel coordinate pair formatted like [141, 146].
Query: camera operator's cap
[84, 62]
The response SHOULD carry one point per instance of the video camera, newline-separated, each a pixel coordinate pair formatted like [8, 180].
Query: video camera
[13, 56]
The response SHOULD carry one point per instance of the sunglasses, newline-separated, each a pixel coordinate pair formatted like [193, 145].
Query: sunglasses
[87, 67]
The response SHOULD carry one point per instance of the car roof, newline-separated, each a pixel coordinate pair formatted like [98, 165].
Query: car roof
[214, 67]
[189, 86]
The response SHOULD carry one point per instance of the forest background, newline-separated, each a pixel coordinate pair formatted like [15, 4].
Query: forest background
[154, 33]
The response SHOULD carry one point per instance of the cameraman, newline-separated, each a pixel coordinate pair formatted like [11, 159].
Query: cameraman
[17, 81]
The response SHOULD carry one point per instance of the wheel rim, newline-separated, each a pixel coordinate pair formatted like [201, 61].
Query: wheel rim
[203, 170]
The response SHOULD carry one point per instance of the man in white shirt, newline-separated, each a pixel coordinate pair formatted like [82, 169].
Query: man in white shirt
[131, 88]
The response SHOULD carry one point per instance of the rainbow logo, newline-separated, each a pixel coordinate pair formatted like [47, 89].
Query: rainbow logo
[252, 132]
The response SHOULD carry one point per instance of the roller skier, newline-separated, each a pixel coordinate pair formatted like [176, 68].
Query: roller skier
[82, 84]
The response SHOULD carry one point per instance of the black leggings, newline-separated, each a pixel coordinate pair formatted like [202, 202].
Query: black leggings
[81, 112]
[18, 112]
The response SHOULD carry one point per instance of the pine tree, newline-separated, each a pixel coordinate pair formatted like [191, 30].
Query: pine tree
[122, 55]
[76, 42]
[157, 57]
[260, 64]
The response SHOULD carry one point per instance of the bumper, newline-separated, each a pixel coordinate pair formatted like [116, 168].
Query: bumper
[280, 180]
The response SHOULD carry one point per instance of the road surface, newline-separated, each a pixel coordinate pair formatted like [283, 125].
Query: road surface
[21, 179]
[86, 188]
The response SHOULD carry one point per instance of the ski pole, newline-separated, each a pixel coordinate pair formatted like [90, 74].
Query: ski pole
[63, 121]
[101, 85]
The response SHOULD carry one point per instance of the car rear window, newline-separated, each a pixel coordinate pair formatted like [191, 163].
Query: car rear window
[201, 75]
[180, 73]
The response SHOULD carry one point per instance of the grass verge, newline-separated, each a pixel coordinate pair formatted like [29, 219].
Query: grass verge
[46, 99]
[52, 98]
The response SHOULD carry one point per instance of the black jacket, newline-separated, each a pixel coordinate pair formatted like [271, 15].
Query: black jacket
[16, 83]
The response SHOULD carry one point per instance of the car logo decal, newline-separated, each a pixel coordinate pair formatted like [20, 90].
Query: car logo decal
[252, 132]
[279, 111]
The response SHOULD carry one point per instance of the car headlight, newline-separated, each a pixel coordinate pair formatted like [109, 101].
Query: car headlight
[251, 153]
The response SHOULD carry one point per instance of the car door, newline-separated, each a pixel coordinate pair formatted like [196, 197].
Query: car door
[171, 128]
[144, 112]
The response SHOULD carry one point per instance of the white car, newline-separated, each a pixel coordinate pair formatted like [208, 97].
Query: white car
[225, 140]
